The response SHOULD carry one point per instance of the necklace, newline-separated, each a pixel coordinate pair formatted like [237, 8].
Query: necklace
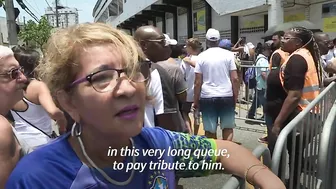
[108, 178]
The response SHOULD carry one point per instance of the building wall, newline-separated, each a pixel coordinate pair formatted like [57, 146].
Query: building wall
[222, 23]
[315, 14]
[252, 27]
[127, 31]
[182, 27]
[67, 17]
[159, 25]
[170, 27]
[3, 31]
[199, 25]
[132, 7]
[251, 24]
[231, 6]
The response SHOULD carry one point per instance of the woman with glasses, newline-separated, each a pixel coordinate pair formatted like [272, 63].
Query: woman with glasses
[298, 84]
[94, 72]
[34, 114]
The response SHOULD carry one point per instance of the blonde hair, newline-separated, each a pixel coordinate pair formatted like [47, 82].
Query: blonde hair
[60, 63]
[194, 43]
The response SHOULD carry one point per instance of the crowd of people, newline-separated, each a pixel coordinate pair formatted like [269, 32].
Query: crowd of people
[105, 89]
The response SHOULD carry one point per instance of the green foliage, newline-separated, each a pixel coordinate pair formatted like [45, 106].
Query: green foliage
[38, 33]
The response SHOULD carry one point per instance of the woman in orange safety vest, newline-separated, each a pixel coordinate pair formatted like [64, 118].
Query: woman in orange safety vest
[300, 77]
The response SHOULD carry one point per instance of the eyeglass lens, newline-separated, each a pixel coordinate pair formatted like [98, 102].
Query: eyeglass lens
[107, 80]
[15, 73]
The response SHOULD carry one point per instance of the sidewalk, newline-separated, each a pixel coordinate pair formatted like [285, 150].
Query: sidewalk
[245, 134]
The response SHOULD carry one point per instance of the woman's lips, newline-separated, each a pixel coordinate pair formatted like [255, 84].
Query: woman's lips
[128, 112]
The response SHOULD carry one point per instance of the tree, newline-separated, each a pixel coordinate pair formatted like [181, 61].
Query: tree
[38, 33]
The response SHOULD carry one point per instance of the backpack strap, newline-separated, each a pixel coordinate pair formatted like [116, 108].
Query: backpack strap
[259, 59]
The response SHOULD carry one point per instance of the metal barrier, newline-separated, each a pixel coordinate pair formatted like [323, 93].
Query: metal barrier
[261, 151]
[327, 153]
[250, 98]
[306, 127]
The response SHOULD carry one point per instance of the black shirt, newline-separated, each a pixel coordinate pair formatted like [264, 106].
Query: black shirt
[294, 77]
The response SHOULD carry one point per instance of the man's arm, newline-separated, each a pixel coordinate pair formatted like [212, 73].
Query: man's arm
[234, 78]
[180, 85]
[198, 83]
[47, 102]
[189, 61]
[237, 49]
[197, 88]
[9, 153]
[327, 81]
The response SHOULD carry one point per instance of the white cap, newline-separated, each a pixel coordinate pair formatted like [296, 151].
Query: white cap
[170, 41]
[212, 35]
[250, 45]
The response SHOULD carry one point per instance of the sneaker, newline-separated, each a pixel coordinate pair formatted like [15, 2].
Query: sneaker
[250, 120]
[263, 140]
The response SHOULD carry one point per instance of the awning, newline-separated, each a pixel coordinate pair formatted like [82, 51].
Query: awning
[236, 6]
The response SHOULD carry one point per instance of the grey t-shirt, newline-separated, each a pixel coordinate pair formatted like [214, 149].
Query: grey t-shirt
[173, 83]
[175, 75]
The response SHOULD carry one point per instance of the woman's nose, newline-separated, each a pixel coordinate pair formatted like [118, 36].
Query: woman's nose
[125, 87]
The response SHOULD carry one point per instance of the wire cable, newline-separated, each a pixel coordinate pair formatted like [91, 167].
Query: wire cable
[32, 7]
[49, 6]
[28, 11]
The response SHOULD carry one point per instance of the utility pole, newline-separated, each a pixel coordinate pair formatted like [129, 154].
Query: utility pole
[11, 24]
[56, 6]
[66, 20]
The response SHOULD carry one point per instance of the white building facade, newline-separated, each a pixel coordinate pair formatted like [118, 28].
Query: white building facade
[3, 31]
[66, 16]
[233, 18]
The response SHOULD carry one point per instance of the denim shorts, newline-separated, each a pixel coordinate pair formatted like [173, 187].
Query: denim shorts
[222, 108]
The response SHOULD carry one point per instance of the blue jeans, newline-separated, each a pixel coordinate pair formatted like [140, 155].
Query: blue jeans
[258, 100]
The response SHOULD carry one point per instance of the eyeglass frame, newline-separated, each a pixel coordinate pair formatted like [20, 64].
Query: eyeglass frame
[10, 72]
[166, 43]
[289, 38]
[88, 78]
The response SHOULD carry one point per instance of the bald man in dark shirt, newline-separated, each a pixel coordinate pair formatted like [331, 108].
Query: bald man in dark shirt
[157, 49]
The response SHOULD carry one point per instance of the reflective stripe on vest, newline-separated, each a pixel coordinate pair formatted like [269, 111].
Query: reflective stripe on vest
[283, 54]
[311, 87]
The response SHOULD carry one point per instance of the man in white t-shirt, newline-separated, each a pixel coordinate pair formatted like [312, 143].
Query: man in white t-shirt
[216, 87]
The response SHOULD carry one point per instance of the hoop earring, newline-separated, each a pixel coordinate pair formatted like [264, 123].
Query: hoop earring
[76, 130]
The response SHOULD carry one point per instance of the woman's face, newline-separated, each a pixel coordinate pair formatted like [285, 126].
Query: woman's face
[119, 112]
[290, 42]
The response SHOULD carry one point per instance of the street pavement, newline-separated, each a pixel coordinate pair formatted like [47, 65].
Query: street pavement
[244, 133]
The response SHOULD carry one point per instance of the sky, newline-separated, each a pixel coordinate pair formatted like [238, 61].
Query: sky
[38, 7]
